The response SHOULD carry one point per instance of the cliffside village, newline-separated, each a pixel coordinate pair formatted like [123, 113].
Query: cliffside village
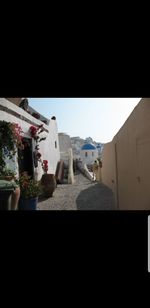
[39, 144]
[35, 158]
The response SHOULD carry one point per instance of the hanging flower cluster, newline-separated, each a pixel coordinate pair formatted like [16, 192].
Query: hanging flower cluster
[34, 132]
[45, 166]
[17, 137]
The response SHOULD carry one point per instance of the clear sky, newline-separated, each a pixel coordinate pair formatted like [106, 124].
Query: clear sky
[99, 118]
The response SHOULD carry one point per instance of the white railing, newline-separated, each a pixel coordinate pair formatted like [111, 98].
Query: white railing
[83, 168]
[70, 167]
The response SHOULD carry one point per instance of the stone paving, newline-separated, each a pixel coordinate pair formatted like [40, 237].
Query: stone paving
[82, 195]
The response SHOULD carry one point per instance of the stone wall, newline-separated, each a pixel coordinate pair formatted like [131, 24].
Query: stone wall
[126, 161]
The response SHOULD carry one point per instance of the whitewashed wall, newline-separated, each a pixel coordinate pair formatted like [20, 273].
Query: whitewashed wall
[89, 159]
[65, 146]
[48, 150]
[64, 142]
[47, 147]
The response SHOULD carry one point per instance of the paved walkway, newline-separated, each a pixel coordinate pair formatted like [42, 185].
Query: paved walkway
[82, 195]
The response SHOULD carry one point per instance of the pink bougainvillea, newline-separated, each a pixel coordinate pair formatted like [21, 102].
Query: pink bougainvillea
[34, 132]
[45, 165]
[16, 132]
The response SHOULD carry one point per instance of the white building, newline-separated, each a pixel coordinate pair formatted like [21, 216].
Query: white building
[66, 155]
[89, 153]
[49, 148]
[65, 146]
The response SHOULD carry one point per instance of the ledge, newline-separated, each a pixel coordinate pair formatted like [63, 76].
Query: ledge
[18, 112]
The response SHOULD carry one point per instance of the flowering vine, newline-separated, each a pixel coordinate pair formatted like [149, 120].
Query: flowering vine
[16, 135]
[34, 132]
[10, 141]
[45, 166]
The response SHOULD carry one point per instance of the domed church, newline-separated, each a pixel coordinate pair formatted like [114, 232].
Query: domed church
[89, 153]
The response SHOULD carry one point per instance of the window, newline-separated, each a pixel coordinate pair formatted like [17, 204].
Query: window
[86, 154]
[55, 144]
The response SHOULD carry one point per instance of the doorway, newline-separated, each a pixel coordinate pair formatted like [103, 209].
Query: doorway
[25, 158]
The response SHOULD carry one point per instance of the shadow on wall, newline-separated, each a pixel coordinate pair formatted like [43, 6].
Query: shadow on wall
[97, 197]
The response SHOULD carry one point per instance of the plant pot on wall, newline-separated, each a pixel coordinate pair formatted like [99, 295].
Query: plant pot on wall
[48, 184]
[6, 177]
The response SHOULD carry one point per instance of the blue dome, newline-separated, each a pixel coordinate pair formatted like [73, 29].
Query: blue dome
[88, 146]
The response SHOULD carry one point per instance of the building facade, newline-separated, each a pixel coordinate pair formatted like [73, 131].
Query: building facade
[66, 155]
[65, 146]
[48, 148]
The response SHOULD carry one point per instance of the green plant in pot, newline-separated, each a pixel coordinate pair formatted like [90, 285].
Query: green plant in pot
[29, 191]
[7, 174]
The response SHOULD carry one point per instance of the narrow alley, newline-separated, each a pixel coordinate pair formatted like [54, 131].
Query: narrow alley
[82, 195]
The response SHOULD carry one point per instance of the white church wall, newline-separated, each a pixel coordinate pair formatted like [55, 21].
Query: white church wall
[89, 159]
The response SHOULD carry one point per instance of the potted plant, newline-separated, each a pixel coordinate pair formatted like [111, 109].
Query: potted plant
[29, 192]
[7, 174]
[48, 181]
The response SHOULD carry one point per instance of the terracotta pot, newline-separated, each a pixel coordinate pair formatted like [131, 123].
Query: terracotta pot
[48, 183]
